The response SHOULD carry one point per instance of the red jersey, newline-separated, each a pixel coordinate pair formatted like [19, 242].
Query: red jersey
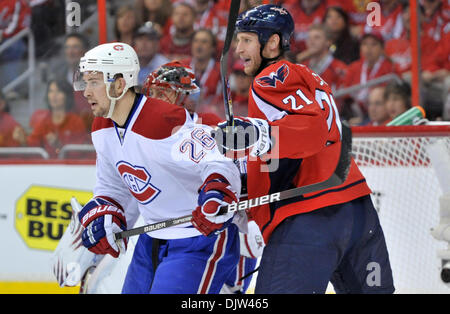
[15, 15]
[399, 51]
[7, 126]
[391, 23]
[440, 59]
[172, 50]
[208, 118]
[70, 131]
[303, 21]
[215, 18]
[360, 73]
[305, 127]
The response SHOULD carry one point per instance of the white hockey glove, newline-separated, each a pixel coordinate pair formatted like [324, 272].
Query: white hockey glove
[71, 260]
[250, 136]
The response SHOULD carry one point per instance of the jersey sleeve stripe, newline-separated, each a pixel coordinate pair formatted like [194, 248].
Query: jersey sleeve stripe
[271, 111]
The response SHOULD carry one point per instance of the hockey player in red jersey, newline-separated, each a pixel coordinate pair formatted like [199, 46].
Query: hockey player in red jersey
[331, 235]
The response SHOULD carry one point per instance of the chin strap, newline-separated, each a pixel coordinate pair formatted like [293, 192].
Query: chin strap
[113, 100]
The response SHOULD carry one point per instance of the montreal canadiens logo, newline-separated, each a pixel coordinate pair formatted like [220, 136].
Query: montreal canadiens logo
[138, 181]
[118, 47]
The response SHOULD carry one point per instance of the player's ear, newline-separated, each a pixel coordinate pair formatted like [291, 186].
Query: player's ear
[272, 46]
[119, 85]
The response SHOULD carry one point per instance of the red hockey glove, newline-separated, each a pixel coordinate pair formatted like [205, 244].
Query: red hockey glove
[214, 192]
[101, 219]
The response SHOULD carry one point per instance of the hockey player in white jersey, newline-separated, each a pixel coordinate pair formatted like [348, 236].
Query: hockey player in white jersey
[151, 152]
[176, 84]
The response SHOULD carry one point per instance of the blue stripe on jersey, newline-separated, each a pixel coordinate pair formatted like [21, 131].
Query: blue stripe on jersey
[137, 101]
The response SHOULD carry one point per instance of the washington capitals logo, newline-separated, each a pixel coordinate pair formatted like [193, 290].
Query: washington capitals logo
[138, 181]
[271, 80]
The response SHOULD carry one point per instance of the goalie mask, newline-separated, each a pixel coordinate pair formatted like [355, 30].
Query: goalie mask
[172, 76]
[113, 60]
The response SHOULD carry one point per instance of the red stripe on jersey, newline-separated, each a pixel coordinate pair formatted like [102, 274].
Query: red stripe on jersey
[209, 118]
[159, 119]
[101, 123]
[211, 265]
[240, 270]
[248, 246]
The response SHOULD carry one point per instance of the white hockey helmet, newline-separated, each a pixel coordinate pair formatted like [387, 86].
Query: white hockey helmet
[110, 59]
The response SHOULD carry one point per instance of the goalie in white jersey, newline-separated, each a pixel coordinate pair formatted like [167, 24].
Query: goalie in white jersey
[153, 157]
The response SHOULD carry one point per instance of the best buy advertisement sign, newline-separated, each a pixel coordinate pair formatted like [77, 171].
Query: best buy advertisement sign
[43, 213]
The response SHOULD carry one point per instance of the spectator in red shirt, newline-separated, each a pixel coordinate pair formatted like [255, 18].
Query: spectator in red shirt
[372, 64]
[211, 15]
[438, 68]
[177, 44]
[306, 13]
[61, 126]
[318, 57]
[436, 18]
[9, 127]
[205, 67]
[376, 107]
[399, 49]
[15, 15]
[391, 23]
[344, 46]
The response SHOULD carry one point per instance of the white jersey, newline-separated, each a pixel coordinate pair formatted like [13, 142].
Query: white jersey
[157, 161]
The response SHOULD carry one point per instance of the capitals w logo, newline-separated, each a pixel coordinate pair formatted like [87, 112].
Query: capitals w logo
[138, 181]
[271, 80]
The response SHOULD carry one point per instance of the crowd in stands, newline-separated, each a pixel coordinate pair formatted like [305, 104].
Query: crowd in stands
[335, 38]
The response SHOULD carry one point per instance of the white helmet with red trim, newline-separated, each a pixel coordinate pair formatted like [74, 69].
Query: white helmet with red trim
[110, 59]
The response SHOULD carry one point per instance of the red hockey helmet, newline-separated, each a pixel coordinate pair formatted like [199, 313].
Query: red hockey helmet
[172, 76]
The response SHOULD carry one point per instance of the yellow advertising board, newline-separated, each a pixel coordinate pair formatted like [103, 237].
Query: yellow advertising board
[43, 213]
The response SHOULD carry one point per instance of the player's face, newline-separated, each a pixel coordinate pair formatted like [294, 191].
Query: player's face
[167, 95]
[248, 50]
[95, 93]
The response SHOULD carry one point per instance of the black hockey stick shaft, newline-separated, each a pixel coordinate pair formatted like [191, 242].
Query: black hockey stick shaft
[338, 177]
[232, 17]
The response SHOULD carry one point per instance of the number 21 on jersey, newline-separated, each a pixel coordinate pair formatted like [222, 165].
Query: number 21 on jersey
[299, 100]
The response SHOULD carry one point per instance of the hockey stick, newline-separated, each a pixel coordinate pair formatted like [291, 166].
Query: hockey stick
[337, 178]
[232, 17]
